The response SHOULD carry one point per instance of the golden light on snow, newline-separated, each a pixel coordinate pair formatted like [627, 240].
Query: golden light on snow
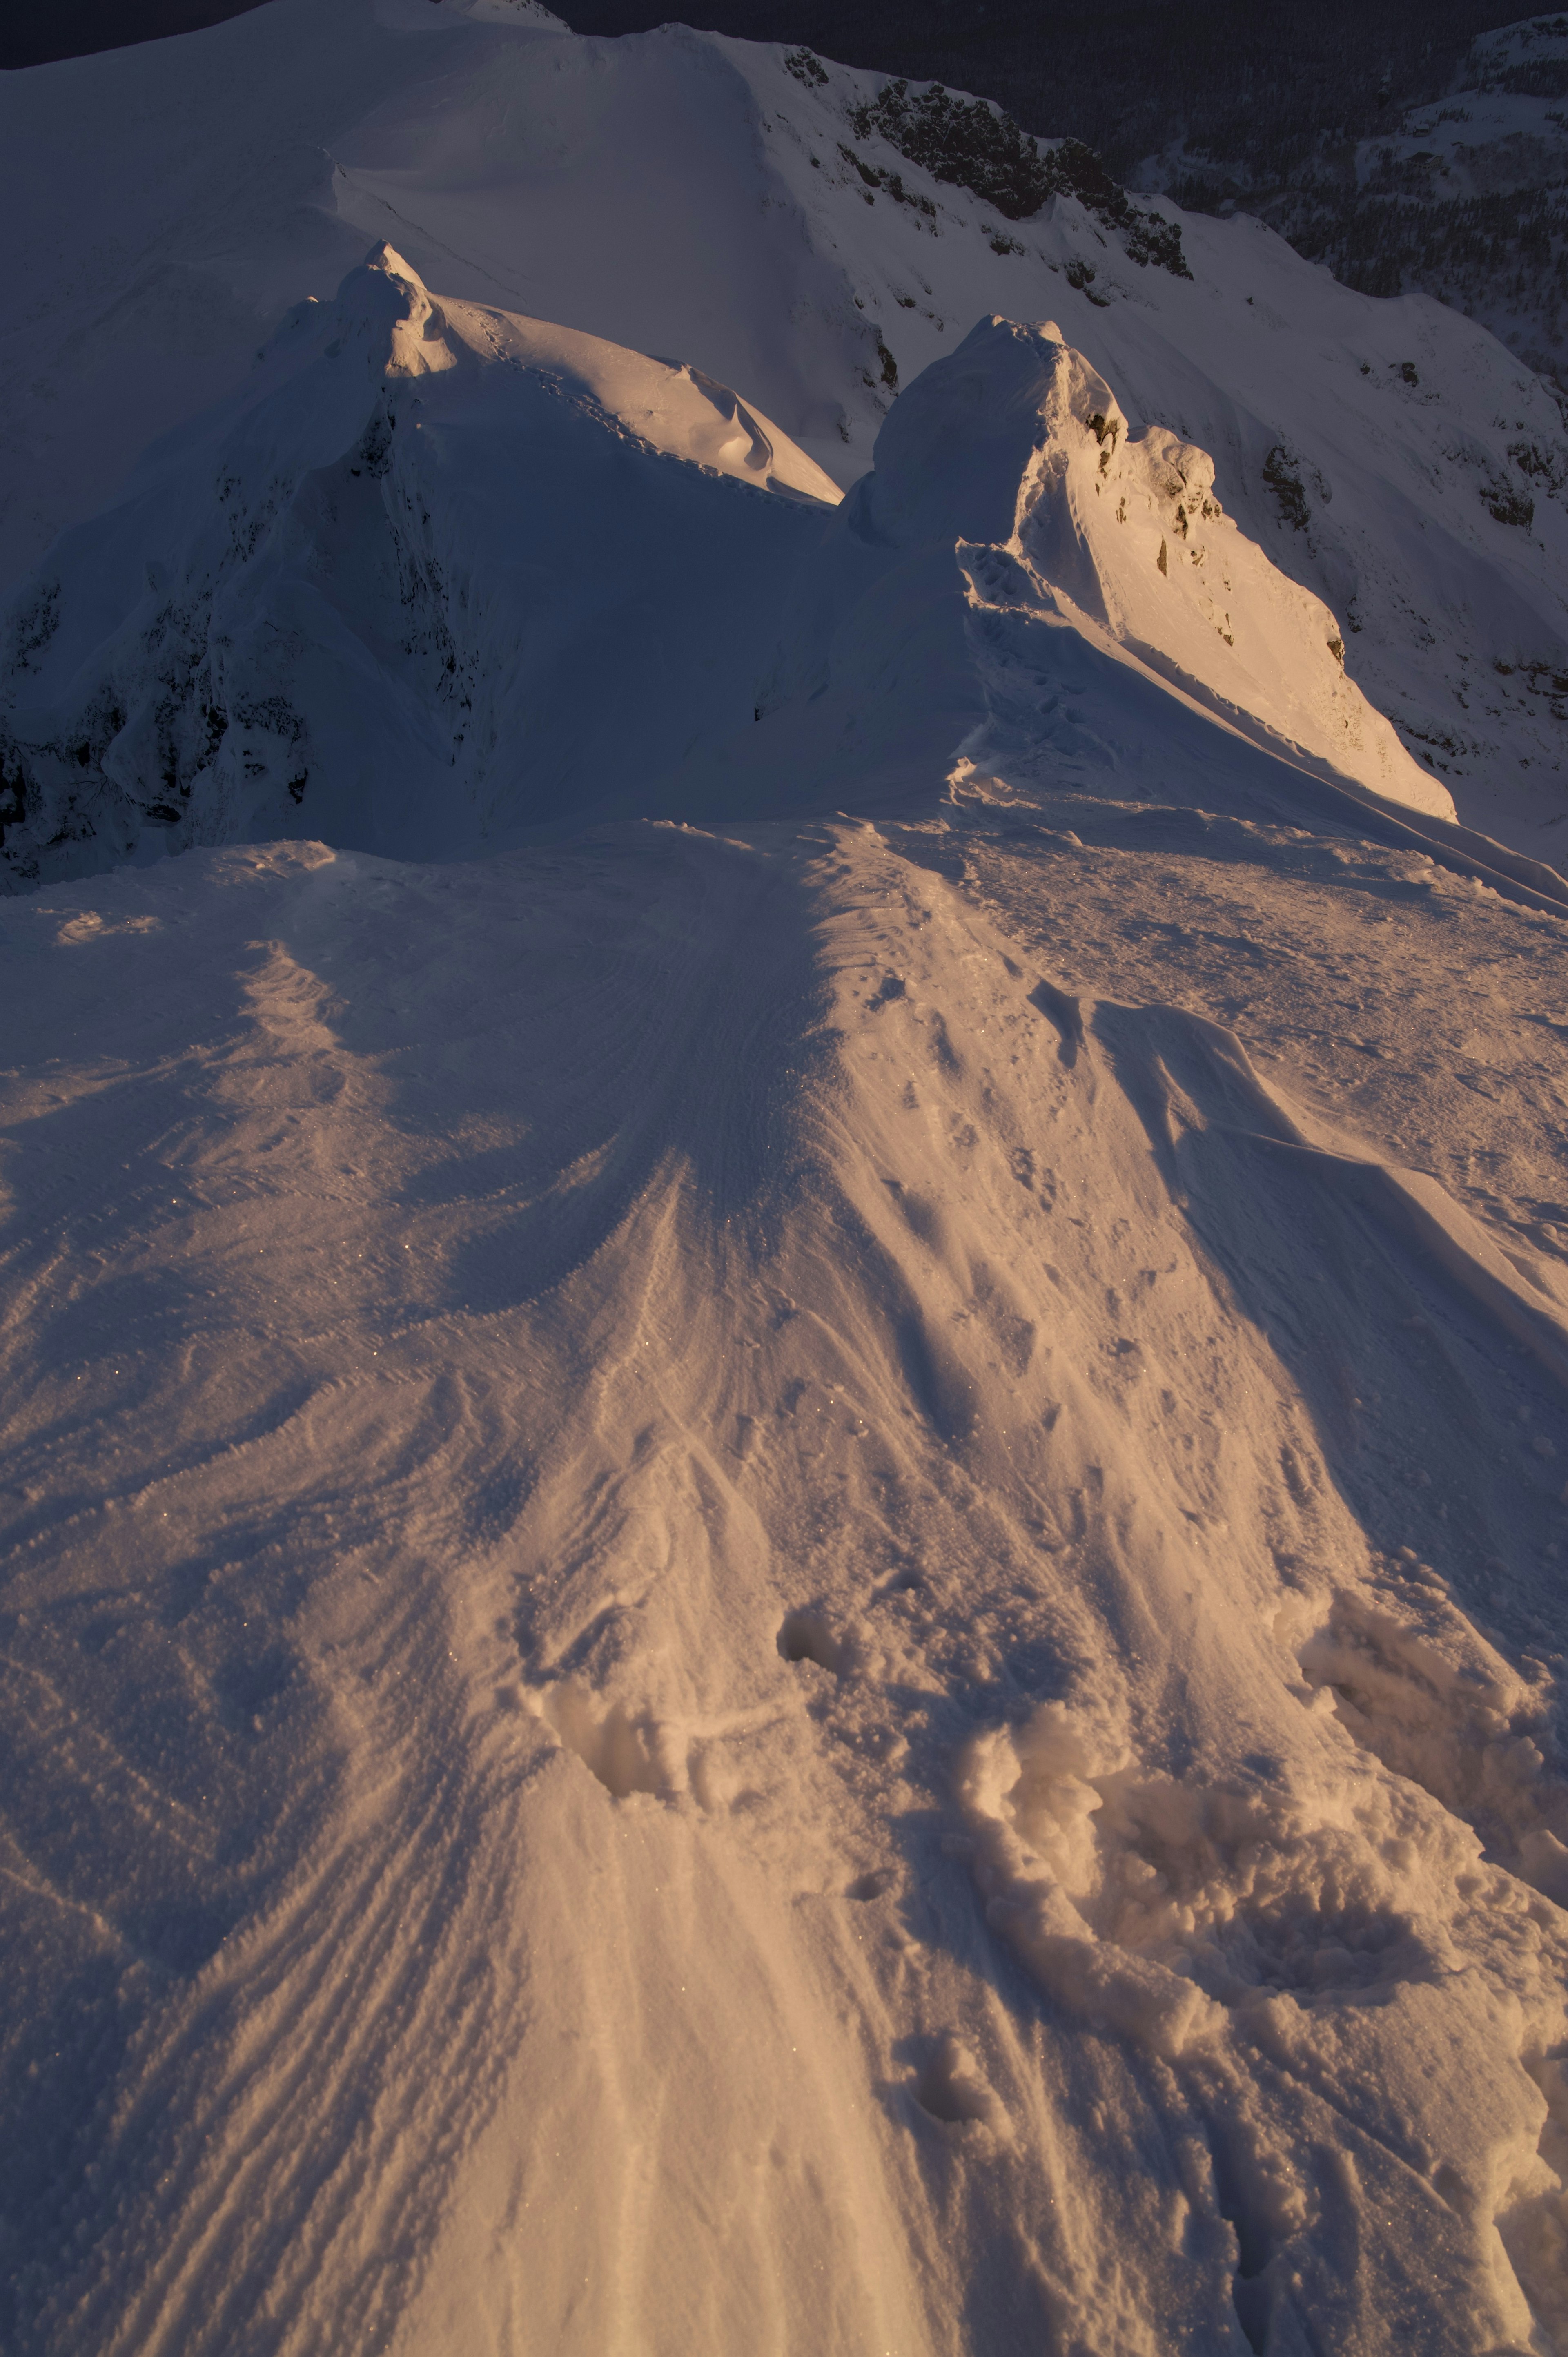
[785, 1312]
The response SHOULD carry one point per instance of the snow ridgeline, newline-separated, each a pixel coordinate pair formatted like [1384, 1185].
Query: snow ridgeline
[436, 573]
[720, 1630]
[442, 575]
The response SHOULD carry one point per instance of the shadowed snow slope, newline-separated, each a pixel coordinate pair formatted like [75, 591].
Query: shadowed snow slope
[441, 578]
[438, 572]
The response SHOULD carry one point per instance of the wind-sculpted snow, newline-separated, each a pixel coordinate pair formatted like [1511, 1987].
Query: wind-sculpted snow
[743, 1609]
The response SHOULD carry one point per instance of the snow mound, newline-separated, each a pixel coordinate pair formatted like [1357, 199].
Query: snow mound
[436, 573]
[1015, 441]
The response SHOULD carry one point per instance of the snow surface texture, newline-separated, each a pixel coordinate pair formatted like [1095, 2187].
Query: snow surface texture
[682, 193]
[750, 1602]
[770, 1581]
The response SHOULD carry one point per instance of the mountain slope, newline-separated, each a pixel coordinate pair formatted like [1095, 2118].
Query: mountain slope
[1366, 445]
[1461, 196]
[784, 1573]
[376, 594]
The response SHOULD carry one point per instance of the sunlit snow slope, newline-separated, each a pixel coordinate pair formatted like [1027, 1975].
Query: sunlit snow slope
[750, 1602]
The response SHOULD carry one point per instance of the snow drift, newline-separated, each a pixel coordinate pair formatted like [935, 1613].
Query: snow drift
[722, 1629]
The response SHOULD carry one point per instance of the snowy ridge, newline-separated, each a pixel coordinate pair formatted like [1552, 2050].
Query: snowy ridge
[1016, 443]
[1102, 529]
[400, 635]
[379, 591]
[820, 1433]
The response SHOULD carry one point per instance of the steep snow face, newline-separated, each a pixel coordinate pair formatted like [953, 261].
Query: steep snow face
[976, 605]
[438, 573]
[1015, 440]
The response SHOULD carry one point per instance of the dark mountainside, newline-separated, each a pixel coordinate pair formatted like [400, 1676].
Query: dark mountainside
[1251, 104]
[76, 28]
[1264, 89]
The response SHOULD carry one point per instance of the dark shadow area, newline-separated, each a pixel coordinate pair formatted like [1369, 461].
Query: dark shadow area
[77, 28]
[806, 1636]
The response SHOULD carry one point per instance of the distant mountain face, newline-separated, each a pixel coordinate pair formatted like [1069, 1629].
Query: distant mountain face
[1464, 196]
[1333, 123]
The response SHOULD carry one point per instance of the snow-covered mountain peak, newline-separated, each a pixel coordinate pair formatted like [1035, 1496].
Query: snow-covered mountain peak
[957, 454]
[719, 200]
[1016, 443]
[358, 601]
[385, 312]
[373, 592]
[1129, 527]
[386, 305]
